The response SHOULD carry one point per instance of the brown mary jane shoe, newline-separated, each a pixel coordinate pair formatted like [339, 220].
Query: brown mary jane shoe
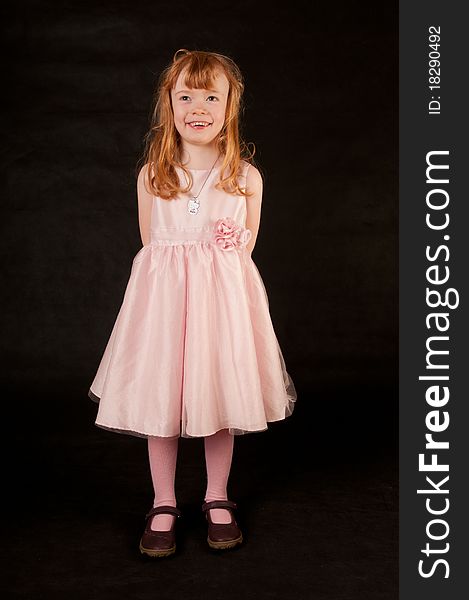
[222, 536]
[159, 543]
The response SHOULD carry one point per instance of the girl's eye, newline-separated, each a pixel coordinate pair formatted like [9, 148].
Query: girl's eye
[182, 97]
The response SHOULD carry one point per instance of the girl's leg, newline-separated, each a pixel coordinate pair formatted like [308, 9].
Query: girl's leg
[162, 452]
[218, 456]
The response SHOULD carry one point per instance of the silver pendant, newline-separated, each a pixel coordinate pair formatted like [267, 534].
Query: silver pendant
[193, 206]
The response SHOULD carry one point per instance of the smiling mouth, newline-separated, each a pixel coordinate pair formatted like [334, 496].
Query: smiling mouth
[199, 124]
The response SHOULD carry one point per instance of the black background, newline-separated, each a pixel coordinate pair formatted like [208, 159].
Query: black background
[318, 492]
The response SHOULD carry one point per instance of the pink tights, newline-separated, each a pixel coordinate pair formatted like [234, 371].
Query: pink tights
[162, 453]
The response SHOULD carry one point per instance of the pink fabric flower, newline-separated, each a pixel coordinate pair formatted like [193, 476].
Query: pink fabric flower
[229, 235]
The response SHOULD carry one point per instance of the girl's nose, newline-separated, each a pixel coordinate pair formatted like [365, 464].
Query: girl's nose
[198, 107]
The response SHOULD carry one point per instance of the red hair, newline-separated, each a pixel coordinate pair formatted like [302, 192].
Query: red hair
[163, 143]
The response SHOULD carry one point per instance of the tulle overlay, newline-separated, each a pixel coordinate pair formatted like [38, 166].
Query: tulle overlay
[193, 349]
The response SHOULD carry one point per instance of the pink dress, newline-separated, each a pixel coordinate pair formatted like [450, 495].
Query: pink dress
[193, 349]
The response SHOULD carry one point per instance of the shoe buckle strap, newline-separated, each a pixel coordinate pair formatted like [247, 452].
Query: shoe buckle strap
[219, 504]
[156, 510]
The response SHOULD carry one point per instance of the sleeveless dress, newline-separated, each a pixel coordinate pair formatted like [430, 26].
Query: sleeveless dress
[193, 349]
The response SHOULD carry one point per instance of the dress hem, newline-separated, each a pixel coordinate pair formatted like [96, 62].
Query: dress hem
[233, 430]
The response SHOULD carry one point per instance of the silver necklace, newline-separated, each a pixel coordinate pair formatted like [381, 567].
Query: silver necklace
[193, 204]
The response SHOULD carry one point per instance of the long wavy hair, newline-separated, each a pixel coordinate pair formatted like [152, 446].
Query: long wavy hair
[163, 146]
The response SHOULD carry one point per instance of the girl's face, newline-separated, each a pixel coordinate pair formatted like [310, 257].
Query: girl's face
[207, 106]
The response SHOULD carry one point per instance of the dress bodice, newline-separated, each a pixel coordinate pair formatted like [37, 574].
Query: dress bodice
[171, 220]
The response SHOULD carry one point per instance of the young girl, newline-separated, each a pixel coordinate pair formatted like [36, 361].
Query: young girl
[193, 352]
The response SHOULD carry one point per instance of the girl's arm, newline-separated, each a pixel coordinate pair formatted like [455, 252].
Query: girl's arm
[144, 206]
[253, 204]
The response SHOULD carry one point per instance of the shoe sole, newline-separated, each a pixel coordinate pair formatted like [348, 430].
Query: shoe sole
[225, 545]
[157, 553]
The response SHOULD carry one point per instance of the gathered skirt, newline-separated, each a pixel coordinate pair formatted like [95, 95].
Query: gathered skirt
[193, 349]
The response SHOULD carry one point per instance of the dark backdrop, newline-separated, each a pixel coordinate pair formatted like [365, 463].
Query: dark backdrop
[321, 107]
